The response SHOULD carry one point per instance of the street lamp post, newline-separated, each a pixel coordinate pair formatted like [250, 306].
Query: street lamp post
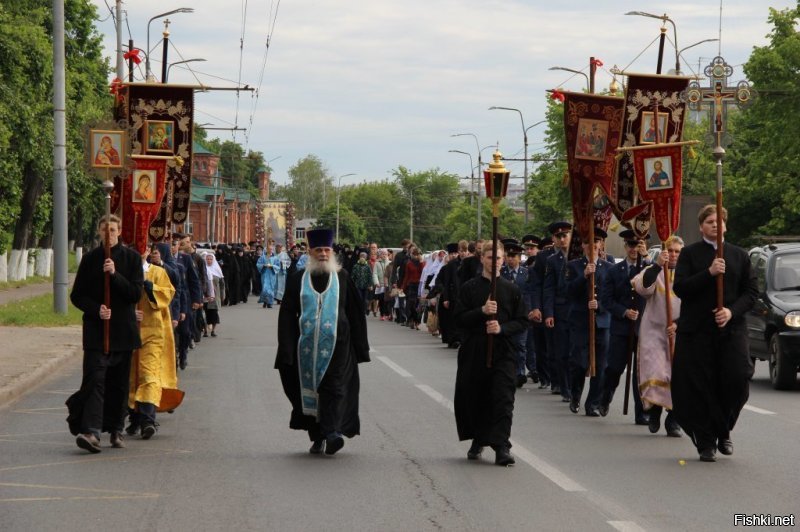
[480, 167]
[525, 140]
[148, 72]
[338, 190]
[678, 73]
[411, 214]
[588, 83]
[472, 173]
[663, 18]
[179, 63]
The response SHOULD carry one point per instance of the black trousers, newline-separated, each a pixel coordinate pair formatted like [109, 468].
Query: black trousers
[104, 391]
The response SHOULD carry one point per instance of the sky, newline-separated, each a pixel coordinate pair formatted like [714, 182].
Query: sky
[371, 85]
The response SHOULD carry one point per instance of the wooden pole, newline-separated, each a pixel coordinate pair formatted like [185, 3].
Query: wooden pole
[108, 186]
[592, 368]
[493, 289]
[719, 155]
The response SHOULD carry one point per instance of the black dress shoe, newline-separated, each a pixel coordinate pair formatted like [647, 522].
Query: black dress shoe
[317, 447]
[534, 377]
[555, 390]
[475, 451]
[603, 410]
[707, 455]
[725, 446]
[574, 405]
[503, 457]
[674, 432]
[593, 412]
[521, 380]
[334, 442]
[642, 420]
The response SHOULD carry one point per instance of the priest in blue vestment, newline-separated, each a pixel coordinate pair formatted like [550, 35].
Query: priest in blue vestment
[322, 337]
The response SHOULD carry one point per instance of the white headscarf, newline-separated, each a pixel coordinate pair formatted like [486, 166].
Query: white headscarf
[214, 270]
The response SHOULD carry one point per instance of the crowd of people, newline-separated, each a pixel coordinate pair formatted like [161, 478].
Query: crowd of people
[640, 330]
[656, 322]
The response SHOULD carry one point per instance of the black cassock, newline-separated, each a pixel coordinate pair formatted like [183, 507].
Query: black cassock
[712, 366]
[484, 398]
[447, 282]
[338, 390]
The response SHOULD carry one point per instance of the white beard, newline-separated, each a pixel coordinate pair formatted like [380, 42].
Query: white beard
[315, 266]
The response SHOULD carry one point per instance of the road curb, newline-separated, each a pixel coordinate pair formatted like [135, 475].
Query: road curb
[29, 381]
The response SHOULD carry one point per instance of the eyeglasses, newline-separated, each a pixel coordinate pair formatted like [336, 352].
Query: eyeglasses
[561, 235]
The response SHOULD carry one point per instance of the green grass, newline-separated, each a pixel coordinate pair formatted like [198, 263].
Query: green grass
[38, 312]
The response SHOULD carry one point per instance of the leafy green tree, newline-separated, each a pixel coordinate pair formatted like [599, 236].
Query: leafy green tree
[310, 186]
[548, 196]
[462, 222]
[382, 209]
[763, 168]
[351, 226]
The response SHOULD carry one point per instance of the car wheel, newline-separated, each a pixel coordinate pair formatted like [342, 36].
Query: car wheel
[782, 372]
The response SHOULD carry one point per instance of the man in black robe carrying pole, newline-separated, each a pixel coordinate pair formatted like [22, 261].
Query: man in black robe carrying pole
[322, 337]
[484, 397]
[712, 367]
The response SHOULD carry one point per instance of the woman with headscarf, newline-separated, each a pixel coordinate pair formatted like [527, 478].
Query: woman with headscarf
[211, 304]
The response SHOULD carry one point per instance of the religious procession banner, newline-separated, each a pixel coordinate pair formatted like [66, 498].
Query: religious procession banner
[161, 124]
[141, 198]
[593, 129]
[655, 110]
[658, 172]
[275, 222]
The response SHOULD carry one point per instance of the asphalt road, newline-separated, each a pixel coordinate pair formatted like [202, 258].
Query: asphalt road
[226, 458]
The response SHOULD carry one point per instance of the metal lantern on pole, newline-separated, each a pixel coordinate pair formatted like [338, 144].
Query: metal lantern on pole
[496, 181]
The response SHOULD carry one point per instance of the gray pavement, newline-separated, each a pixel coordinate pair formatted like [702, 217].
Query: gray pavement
[30, 355]
[227, 459]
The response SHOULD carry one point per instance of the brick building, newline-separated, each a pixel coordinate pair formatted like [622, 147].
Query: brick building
[219, 211]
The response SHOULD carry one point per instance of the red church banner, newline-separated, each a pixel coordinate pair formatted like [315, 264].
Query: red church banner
[658, 172]
[593, 128]
[142, 193]
[654, 114]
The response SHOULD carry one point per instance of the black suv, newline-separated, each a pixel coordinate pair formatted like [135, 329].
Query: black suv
[773, 325]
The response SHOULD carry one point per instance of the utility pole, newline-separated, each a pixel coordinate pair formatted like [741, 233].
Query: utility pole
[60, 280]
[120, 59]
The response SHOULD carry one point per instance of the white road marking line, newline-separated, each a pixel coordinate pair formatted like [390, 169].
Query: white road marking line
[626, 526]
[397, 369]
[759, 410]
[436, 396]
[549, 471]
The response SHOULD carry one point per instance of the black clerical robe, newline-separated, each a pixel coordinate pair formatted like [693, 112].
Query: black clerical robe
[338, 389]
[447, 281]
[484, 397]
[712, 366]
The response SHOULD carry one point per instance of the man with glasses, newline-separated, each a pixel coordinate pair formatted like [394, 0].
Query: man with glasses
[555, 309]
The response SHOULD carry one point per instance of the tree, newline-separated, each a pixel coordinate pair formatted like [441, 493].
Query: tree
[434, 193]
[309, 186]
[351, 226]
[462, 221]
[548, 196]
[763, 188]
[380, 207]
